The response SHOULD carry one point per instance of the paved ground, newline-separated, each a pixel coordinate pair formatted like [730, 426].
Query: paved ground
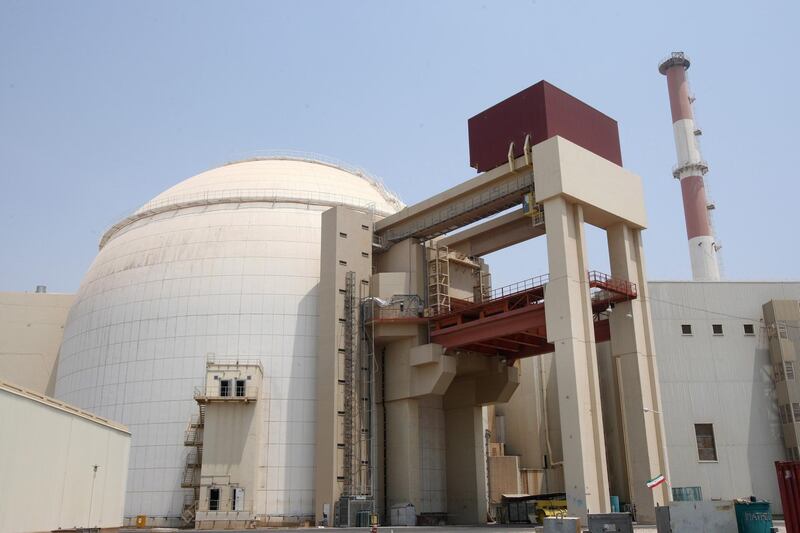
[442, 529]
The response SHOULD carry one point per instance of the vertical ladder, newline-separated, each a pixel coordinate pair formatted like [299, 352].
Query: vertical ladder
[439, 279]
[483, 285]
[366, 352]
[349, 381]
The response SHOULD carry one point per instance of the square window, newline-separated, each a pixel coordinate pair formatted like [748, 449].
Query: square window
[686, 329]
[706, 445]
[716, 329]
[749, 329]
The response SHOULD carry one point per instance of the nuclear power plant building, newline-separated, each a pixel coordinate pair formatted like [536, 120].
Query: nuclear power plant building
[281, 341]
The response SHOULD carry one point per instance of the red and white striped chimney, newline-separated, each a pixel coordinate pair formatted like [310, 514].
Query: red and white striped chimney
[703, 250]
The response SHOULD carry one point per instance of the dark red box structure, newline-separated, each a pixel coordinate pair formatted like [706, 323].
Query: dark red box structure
[789, 485]
[541, 111]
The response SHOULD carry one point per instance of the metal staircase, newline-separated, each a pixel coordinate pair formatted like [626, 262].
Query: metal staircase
[193, 438]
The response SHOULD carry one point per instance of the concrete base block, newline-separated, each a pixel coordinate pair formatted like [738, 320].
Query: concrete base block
[562, 525]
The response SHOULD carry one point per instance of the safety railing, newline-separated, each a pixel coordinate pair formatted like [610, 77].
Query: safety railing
[619, 286]
[400, 306]
[233, 392]
[603, 287]
[443, 215]
[193, 436]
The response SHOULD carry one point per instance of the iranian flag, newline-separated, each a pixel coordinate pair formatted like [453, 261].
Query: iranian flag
[656, 481]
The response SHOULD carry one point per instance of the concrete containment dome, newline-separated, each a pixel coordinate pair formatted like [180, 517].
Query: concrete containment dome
[225, 263]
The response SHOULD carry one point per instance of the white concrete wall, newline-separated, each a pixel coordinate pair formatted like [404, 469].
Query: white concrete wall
[46, 457]
[723, 380]
[31, 328]
[237, 279]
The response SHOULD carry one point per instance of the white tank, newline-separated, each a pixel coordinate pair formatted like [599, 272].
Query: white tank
[224, 263]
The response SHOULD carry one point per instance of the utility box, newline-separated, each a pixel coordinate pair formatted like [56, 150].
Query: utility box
[403, 515]
[611, 522]
[562, 525]
[697, 517]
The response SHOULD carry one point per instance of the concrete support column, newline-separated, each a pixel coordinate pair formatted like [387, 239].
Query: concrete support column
[465, 454]
[633, 351]
[570, 328]
[466, 466]
[403, 453]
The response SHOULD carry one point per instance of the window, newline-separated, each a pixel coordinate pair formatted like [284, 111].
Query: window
[783, 333]
[749, 329]
[796, 410]
[342, 262]
[706, 446]
[225, 387]
[238, 499]
[686, 329]
[364, 227]
[716, 329]
[240, 387]
[789, 367]
[213, 500]
[343, 235]
[364, 254]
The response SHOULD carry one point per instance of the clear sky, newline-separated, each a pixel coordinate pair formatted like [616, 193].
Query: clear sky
[105, 104]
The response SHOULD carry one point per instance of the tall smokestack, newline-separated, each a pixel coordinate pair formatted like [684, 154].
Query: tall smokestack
[703, 250]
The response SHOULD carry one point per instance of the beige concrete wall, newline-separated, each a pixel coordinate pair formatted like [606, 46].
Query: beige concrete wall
[47, 453]
[232, 442]
[504, 477]
[231, 445]
[528, 427]
[346, 245]
[565, 169]
[409, 258]
[31, 328]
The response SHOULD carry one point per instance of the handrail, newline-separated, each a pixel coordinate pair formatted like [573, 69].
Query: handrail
[600, 280]
[248, 392]
[613, 284]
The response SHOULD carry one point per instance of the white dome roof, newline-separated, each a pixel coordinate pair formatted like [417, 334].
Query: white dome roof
[289, 179]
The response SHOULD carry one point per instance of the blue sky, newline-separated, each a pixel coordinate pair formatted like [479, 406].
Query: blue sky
[105, 104]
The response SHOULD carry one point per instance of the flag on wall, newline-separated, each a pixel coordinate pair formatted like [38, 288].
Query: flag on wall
[656, 481]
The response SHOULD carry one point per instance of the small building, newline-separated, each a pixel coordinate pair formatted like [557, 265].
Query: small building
[223, 465]
[61, 467]
[31, 330]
